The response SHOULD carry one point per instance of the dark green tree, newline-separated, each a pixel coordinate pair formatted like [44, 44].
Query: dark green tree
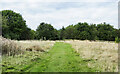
[82, 31]
[93, 32]
[33, 34]
[70, 32]
[105, 32]
[62, 33]
[14, 26]
[28, 34]
[46, 32]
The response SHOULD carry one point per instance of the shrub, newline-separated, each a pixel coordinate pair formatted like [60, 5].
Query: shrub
[117, 40]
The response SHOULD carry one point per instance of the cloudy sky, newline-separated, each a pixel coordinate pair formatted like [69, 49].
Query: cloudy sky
[64, 12]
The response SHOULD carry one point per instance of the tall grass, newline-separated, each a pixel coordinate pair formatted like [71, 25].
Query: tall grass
[104, 53]
[9, 47]
[36, 44]
[20, 62]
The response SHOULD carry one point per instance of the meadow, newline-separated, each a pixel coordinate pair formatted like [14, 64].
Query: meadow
[105, 53]
[59, 56]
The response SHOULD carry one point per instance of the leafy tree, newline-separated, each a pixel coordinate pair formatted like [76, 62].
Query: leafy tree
[28, 34]
[46, 32]
[70, 32]
[14, 26]
[82, 31]
[93, 32]
[117, 35]
[117, 40]
[62, 33]
[33, 34]
[105, 32]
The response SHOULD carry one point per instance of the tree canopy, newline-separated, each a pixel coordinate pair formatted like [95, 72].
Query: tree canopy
[46, 32]
[14, 27]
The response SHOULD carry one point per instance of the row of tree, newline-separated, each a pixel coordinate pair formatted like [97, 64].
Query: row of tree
[80, 31]
[14, 27]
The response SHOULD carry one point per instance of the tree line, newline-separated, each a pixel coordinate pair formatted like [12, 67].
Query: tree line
[14, 27]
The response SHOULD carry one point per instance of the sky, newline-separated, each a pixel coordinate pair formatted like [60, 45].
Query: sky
[61, 13]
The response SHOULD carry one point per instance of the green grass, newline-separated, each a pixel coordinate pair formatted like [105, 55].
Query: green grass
[61, 58]
[19, 63]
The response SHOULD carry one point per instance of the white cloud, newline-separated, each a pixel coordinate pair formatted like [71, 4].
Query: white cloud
[65, 13]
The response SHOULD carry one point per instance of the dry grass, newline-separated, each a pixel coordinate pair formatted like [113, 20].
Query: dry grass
[36, 45]
[35, 48]
[105, 54]
[13, 47]
[9, 47]
[19, 62]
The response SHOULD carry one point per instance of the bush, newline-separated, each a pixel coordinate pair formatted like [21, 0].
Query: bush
[117, 40]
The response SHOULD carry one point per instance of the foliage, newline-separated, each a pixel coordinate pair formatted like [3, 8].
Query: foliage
[46, 32]
[62, 33]
[105, 32]
[84, 31]
[14, 26]
[70, 32]
[117, 40]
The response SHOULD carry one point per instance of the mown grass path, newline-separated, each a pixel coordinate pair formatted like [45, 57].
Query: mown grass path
[61, 58]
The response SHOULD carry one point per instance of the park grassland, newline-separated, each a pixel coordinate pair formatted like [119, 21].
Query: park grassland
[105, 53]
[64, 56]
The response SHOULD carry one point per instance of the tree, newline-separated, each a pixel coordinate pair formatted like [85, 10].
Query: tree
[46, 32]
[82, 31]
[14, 26]
[93, 32]
[70, 32]
[62, 33]
[117, 35]
[105, 32]
[28, 34]
[33, 34]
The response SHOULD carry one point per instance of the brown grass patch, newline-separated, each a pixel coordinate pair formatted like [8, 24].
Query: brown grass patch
[35, 48]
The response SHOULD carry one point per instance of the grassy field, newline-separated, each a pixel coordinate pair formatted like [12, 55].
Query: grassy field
[64, 56]
[58, 59]
[22, 61]
[104, 53]
[45, 45]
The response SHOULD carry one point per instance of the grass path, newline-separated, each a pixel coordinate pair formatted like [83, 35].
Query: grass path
[61, 58]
